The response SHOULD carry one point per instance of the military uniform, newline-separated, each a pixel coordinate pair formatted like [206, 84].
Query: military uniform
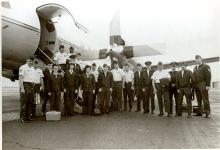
[128, 91]
[37, 84]
[117, 89]
[105, 83]
[173, 90]
[88, 85]
[27, 98]
[71, 85]
[46, 77]
[55, 87]
[148, 93]
[61, 58]
[202, 76]
[95, 96]
[138, 83]
[184, 81]
[161, 80]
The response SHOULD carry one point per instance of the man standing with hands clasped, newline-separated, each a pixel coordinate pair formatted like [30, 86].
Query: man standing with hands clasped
[128, 81]
[184, 81]
[26, 82]
[202, 76]
[70, 88]
[105, 88]
[117, 87]
[88, 89]
[160, 84]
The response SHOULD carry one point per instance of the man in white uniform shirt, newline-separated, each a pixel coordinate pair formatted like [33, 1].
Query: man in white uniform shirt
[128, 87]
[26, 82]
[117, 87]
[160, 84]
[38, 85]
[61, 57]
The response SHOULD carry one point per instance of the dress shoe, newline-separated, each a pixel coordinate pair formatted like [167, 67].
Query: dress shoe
[29, 119]
[189, 116]
[160, 114]
[178, 115]
[207, 115]
[198, 114]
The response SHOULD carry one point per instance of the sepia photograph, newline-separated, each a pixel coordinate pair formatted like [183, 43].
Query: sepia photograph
[110, 74]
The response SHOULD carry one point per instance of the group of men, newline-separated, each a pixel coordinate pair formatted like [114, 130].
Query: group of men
[64, 79]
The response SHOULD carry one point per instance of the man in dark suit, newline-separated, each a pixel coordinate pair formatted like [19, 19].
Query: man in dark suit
[47, 72]
[105, 80]
[138, 79]
[88, 89]
[172, 88]
[147, 88]
[202, 76]
[70, 88]
[55, 87]
[184, 81]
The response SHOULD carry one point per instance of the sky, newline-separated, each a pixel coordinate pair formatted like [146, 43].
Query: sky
[186, 27]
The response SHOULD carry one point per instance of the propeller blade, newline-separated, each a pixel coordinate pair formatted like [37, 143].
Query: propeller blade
[143, 50]
[115, 31]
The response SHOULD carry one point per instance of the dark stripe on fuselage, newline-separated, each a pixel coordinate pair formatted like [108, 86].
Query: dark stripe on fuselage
[21, 24]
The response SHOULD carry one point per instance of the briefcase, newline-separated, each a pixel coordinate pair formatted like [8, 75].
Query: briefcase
[53, 116]
[195, 109]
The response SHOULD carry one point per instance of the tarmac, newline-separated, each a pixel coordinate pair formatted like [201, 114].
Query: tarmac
[118, 130]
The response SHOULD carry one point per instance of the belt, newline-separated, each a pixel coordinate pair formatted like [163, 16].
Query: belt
[128, 82]
[32, 83]
[117, 81]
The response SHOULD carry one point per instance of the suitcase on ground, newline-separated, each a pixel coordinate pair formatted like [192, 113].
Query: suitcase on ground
[195, 109]
[53, 116]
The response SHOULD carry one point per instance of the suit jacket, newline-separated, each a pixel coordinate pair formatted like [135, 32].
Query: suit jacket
[138, 80]
[202, 74]
[184, 81]
[173, 75]
[88, 83]
[46, 77]
[105, 81]
[70, 80]
[55, 83]
[147, 81]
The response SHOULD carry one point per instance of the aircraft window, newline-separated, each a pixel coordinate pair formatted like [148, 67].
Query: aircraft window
[5, 4]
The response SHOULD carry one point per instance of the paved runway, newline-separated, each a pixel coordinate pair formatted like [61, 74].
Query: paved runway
[117, 130]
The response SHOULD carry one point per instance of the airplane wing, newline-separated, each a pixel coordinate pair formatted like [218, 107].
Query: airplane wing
[192, 62]
[167, 65]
